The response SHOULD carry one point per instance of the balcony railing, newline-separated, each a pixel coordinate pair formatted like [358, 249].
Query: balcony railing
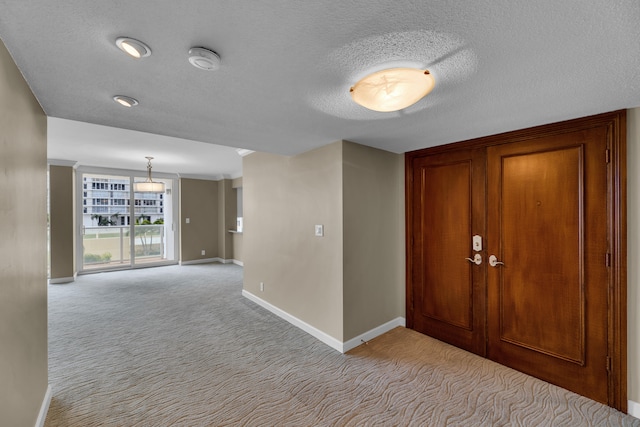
[111, 245]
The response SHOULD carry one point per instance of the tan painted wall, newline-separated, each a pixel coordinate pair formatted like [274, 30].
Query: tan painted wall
[199, 203]
[374, 261]
[267, 179]
[238, 239]
[633, 253]
[227, 207]
[23, 249]
[61, 221]
[237, 246]
[284, 197]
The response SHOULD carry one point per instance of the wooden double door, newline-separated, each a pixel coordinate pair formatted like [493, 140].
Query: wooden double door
[515, 252]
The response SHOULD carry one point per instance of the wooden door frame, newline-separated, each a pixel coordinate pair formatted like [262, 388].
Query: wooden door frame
[615, 122]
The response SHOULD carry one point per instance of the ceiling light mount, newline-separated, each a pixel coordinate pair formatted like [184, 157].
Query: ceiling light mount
[392, 89]
[125, 101]
[204, 59]
[148, 185]
[132, 47]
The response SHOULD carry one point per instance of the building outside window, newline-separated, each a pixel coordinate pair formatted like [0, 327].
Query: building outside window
[110, 197]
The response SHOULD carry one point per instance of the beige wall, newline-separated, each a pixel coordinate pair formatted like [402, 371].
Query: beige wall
[284, 197]
[633, 253]
[374, 272]
[352, 279]
[237, 246]
[238, 239]
[61, 222]
[23, 249]
[227, 207]
[199, 203]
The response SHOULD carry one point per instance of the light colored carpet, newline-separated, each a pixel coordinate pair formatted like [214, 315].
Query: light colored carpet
[180, 346]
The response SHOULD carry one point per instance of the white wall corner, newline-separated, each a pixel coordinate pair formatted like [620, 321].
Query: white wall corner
[59, 162]
[315, 332]
[216, 177]
[369, 335]
[242, 152]
[633, 408]
[44, 408]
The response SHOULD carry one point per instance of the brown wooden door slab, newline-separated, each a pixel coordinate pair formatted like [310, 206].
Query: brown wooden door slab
[552, 202]
[448, 291]
[547, 222]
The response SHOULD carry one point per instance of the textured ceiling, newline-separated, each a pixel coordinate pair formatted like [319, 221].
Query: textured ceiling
[109, 147]
[287, 66]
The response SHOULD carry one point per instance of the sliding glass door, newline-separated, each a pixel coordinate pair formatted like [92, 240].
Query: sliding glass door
[124, 229]
[151, 215]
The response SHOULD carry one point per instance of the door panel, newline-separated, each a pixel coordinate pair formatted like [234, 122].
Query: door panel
[448, 291]
[543, 193]
[550, 203]
[547, 216]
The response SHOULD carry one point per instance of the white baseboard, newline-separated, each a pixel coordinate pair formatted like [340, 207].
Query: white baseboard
[60, 280]
[317, 333]
[44, 408]
[210, 260]
[633, 408]
[369, 335]
[201, 261]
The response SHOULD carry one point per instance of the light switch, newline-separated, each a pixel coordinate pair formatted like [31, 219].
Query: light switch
[187, 220]
[319, 230]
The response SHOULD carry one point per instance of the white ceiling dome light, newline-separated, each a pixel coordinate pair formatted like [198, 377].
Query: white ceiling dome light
[392, 89]
[132, 47]
[204, 59]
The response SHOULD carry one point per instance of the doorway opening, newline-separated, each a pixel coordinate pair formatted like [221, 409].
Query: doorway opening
[122, 229]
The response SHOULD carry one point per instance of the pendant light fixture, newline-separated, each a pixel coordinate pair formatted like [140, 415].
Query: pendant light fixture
[148, 186]
[392, 89]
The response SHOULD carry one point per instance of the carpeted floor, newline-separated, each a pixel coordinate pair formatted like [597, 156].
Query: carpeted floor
[180, 346]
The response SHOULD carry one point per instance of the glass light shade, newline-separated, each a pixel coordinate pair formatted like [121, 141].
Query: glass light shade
[148, 187]
[130, 50]
[393, 89]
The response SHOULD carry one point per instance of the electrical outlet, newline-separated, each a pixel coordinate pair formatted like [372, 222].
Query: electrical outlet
[261, 286]
[203, 252]
[319, 230]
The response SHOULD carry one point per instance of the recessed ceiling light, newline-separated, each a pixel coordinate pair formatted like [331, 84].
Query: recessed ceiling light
[133, 47]
[204, 59]
[393, 89]
[125, 101]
